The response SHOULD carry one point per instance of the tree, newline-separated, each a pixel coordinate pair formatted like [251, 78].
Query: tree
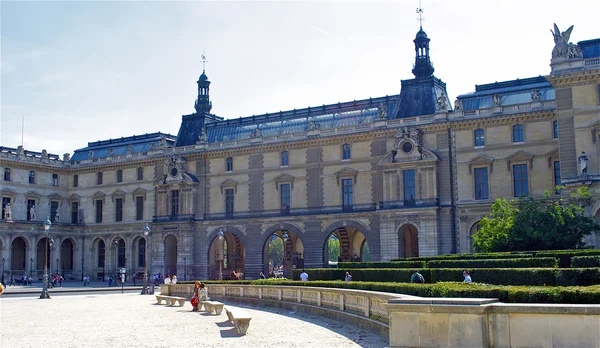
[529, 224]
[275, 251]
[333, 248]
[366, 253]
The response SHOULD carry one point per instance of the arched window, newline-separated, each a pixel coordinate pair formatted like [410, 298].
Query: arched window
[6, 174]
[479, 135]
[120, 175]
[346, 151]
[32, 177]
[518, 133]
[140, 173]
[54, 179]
[228, 164]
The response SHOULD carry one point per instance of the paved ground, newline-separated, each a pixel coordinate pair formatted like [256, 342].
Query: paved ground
[132, 320]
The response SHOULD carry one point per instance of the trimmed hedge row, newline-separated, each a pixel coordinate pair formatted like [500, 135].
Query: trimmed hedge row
[500, 276]
[398, 264]
[504, 255]
[565, 256]
[500, 263]
[585, 261]
[507, 294]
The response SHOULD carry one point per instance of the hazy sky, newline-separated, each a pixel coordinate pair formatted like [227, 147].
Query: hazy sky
[84, 71]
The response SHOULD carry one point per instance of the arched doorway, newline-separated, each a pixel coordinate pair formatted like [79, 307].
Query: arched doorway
[170, 255]
[472, 231]
[66, 257]
[225, 256]
[43, 251]
[19, 256]
[408, 236]
[282, 253]
[98, 265]
[351, 243]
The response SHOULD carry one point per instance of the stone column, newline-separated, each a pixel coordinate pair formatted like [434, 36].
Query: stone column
[388, 239]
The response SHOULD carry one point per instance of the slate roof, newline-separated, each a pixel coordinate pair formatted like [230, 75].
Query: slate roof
[120, 146]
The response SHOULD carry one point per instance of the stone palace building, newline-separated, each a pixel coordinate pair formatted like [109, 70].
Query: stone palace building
[409, 174]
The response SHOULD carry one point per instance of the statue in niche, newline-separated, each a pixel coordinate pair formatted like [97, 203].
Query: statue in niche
[7, 212]
[130, 148]
[202, 137]
[536, 95]
[458, 105]
[91, 154]
[312, 126]
[32, 215]
[497, 100]
[441, 102]
[562, 47]
[57, 216]
[381, 112]
[111, 151]
[255, 133]
[583, 160]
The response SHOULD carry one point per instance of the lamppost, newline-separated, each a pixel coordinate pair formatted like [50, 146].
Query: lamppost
[57, 261]
[3, 260]
[30, 266]
[44, 293]
[146, 234]
[185, 268]
[220, 234]
[285, 266]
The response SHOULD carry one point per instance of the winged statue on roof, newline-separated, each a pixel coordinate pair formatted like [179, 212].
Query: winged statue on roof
[562, 47]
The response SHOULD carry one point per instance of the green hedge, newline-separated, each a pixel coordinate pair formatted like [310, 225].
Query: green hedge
[507, 294]
[399, 264]
[500, 263]
[505, 255]
[585, 261]
[499, 276]
[564, 256]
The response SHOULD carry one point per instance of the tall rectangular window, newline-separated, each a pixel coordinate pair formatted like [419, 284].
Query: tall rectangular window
[175, 202]
[119, 175]
[139, 208]
[75, 180]
[518, 133]
[74, 212]
[121, 254]
[119, 209]
[140, 173]
[99, 178]
[520, 180]
[98, 211]
[229, 202]
[54, 179]
[285, 190]
[555, 129]
[5, 202]
[479, 137]
[30, 204]
[284, 158]
[101, 254]
[53, 210]
[32, 177]
[141, 252]
[347, 194]
[557, 176]
[346, 152]
[409, 186]
[481, 183]
[6, 174]
[228, 164]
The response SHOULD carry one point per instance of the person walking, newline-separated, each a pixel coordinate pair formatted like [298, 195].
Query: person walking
[304, 276]
[417, 277]
[467, 277]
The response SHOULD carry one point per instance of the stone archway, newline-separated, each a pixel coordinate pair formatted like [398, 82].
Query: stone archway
[226, 255]
[18, 262]
[67, 257]
[351, 241]
[289, 257]
[408, 237]
[98, 264]
[170, 261]
[138, 255]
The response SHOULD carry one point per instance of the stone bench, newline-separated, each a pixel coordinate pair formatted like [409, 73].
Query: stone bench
[170, 299]
[239, 318]
[212, 306]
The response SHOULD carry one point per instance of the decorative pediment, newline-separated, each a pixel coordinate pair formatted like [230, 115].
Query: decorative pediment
[284, 178]
[74, 198]
[32, 195]
[481, 160]
[346, 173]
[551, 157]
[139, 192]
[8, 193]
[55, 197]
[98, 196]
[118, 194]
[229, 183]
[519, 156]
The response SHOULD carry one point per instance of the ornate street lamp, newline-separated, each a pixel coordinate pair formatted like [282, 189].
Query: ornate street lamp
[57, 261]
[146, 234]
[30, 266]
[285, 239]
[220, 234]
[45, 293]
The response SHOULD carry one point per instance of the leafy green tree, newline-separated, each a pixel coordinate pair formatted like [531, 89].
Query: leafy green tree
[333, 248]
[275, 251]
[529, 224]
[366, 253]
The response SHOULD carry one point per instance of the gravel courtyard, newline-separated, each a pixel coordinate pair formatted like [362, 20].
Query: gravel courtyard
[131, 320]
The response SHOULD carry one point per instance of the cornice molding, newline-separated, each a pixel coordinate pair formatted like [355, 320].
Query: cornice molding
[573, 79]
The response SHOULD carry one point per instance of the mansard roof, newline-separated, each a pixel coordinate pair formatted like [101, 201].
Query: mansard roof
[120, 146]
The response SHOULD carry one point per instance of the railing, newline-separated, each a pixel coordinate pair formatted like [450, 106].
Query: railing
[368, 304]
[592, 62]
[292, 212]
[411, 203]
[167, 218]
